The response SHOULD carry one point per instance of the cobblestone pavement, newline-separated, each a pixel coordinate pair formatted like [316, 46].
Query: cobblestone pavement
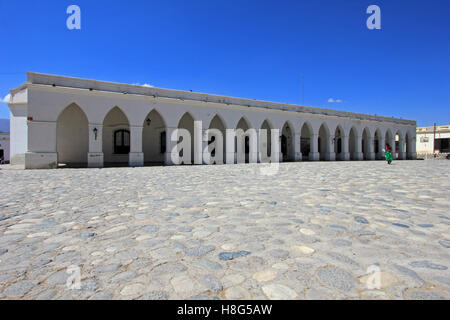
[313, 231]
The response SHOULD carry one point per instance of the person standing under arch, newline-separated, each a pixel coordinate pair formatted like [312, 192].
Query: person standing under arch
[388, 154]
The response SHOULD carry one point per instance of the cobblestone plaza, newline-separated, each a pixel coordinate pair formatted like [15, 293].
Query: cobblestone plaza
[315, 230]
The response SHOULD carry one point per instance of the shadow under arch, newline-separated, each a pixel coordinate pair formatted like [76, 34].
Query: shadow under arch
[266, 125]
[365, 141]
[154, 138]
[377, 146]
[72, 137]
[186, 122]
[217, 122]
[306, 137]
[116, 138]
[243, 124]
[287, 142]
[399, 144]
[352, 141]
[338, 142]
[323, 144]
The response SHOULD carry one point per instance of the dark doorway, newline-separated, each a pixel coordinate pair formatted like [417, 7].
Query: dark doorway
[284, 149]
[339, 145]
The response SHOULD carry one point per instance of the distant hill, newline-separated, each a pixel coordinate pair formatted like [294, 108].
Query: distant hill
[4, 125]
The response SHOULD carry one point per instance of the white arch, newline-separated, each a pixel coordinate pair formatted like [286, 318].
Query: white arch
[72, 136]
[324, 142]
[108, 132]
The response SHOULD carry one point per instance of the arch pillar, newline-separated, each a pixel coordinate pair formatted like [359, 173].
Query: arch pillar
[204, 143]
[262, 145]
[412, 148]
[136, 156]
[253, 146]
[95, 154]
[41, 153]
[171, 155]
[198, 142]
[370, 148]
[394, 148]
[345, 154]
[297, 140]
[330, 155]
[314, 155]
[276, 145]
[358, 150]
[401, 151]
[229, 146]
[382, 145]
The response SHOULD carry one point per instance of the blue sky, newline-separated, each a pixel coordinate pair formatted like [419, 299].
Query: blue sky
[256, 49]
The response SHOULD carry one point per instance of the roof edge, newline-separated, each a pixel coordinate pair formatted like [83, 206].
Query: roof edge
[82, 83]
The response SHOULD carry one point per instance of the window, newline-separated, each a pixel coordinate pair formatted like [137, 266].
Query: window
[163, 142]
[122, 141]
[424, 139]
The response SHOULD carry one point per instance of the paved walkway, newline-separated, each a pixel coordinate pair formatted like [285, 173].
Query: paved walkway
[342, 230]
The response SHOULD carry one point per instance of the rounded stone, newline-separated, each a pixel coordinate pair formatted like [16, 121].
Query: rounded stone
[279, 292]
[199, 251]
[362, 220]
[39, 234]
[211, 283]
[424, 295]
[237, 293]
[445, 243]
[280, 266]
[428, 265]
[156, 295]
[265, 275]
[229, 246]
[132, 289]
[225, 256]
[18, 289]
[233, 279]
[281, 254]
[337, 278]
[307, 232]
[144, 237]
[303, 249]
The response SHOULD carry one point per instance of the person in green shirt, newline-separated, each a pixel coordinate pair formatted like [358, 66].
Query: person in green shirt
[388, 154]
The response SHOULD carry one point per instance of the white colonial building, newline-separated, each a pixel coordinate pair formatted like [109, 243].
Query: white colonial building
[432, 140]
[59, 120]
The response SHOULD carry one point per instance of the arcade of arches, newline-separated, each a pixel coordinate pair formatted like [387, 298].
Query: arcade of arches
[119, 148]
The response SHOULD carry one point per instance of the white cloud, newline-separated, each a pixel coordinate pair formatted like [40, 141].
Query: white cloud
[143, 85]
[6, 98]
[331, 100]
